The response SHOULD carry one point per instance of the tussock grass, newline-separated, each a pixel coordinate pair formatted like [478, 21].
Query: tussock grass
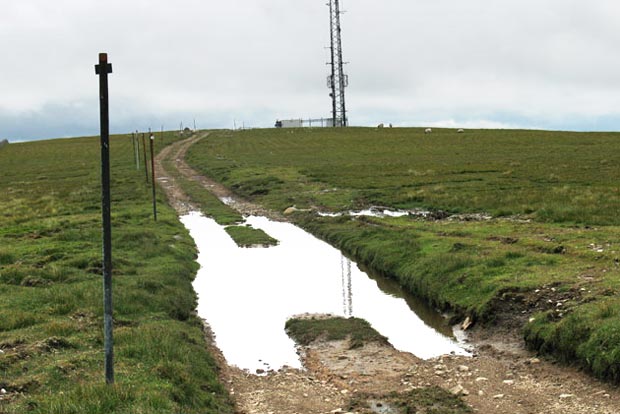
[50, 284]
[589, 337]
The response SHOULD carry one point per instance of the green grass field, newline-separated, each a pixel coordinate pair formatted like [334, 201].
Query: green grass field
[51, 333]
[553, 240]
[551, 249]
[549, 176]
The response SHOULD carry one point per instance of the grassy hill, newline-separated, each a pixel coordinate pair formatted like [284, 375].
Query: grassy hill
[549, 176]
[51, 327]
[547, 261]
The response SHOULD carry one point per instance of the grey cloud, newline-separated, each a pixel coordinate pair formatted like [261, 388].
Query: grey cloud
[525, 63]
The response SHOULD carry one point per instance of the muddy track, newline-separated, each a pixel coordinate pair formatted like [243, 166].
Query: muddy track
[180, 201]
[501, 378]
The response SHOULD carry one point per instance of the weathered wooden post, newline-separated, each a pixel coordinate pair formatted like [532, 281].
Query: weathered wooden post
[102, 69]
[146, 168]
[152, 140]
[136, 149]
[133, 142]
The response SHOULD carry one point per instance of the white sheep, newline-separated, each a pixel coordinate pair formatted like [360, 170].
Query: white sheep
[380, 126]
[461, 131]
[428, 131]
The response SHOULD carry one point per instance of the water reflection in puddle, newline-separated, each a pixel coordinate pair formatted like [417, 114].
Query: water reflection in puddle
[373, 212]
[247, 295]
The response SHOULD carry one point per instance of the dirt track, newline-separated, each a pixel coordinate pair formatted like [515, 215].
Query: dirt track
[501, 378]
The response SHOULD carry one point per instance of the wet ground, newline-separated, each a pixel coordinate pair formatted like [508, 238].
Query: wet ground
[247, 295]
[498, 379]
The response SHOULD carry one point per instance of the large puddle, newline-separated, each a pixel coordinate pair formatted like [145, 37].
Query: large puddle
[247, 295]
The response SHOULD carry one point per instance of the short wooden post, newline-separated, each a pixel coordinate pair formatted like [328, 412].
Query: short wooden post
[152, 140]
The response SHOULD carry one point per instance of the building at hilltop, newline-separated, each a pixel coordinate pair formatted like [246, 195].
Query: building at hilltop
[305, 123]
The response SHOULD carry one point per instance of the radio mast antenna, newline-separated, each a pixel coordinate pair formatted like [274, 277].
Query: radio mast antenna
[337, 81]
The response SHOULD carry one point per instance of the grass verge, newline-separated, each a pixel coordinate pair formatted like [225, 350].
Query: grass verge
[50, 284]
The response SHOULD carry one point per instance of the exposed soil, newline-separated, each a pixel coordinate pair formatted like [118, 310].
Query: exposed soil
[501, 377]
[181, 202]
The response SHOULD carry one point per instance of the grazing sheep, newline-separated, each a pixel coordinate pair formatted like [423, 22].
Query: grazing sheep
[461, 131]
[428, 131]
[380, 126]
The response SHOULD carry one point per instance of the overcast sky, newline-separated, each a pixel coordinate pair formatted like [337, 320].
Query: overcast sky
[550, 64]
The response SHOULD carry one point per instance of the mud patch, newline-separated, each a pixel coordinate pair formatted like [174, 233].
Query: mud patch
[422, 401]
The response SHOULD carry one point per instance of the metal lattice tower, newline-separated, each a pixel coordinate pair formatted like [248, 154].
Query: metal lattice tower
[337, 81]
